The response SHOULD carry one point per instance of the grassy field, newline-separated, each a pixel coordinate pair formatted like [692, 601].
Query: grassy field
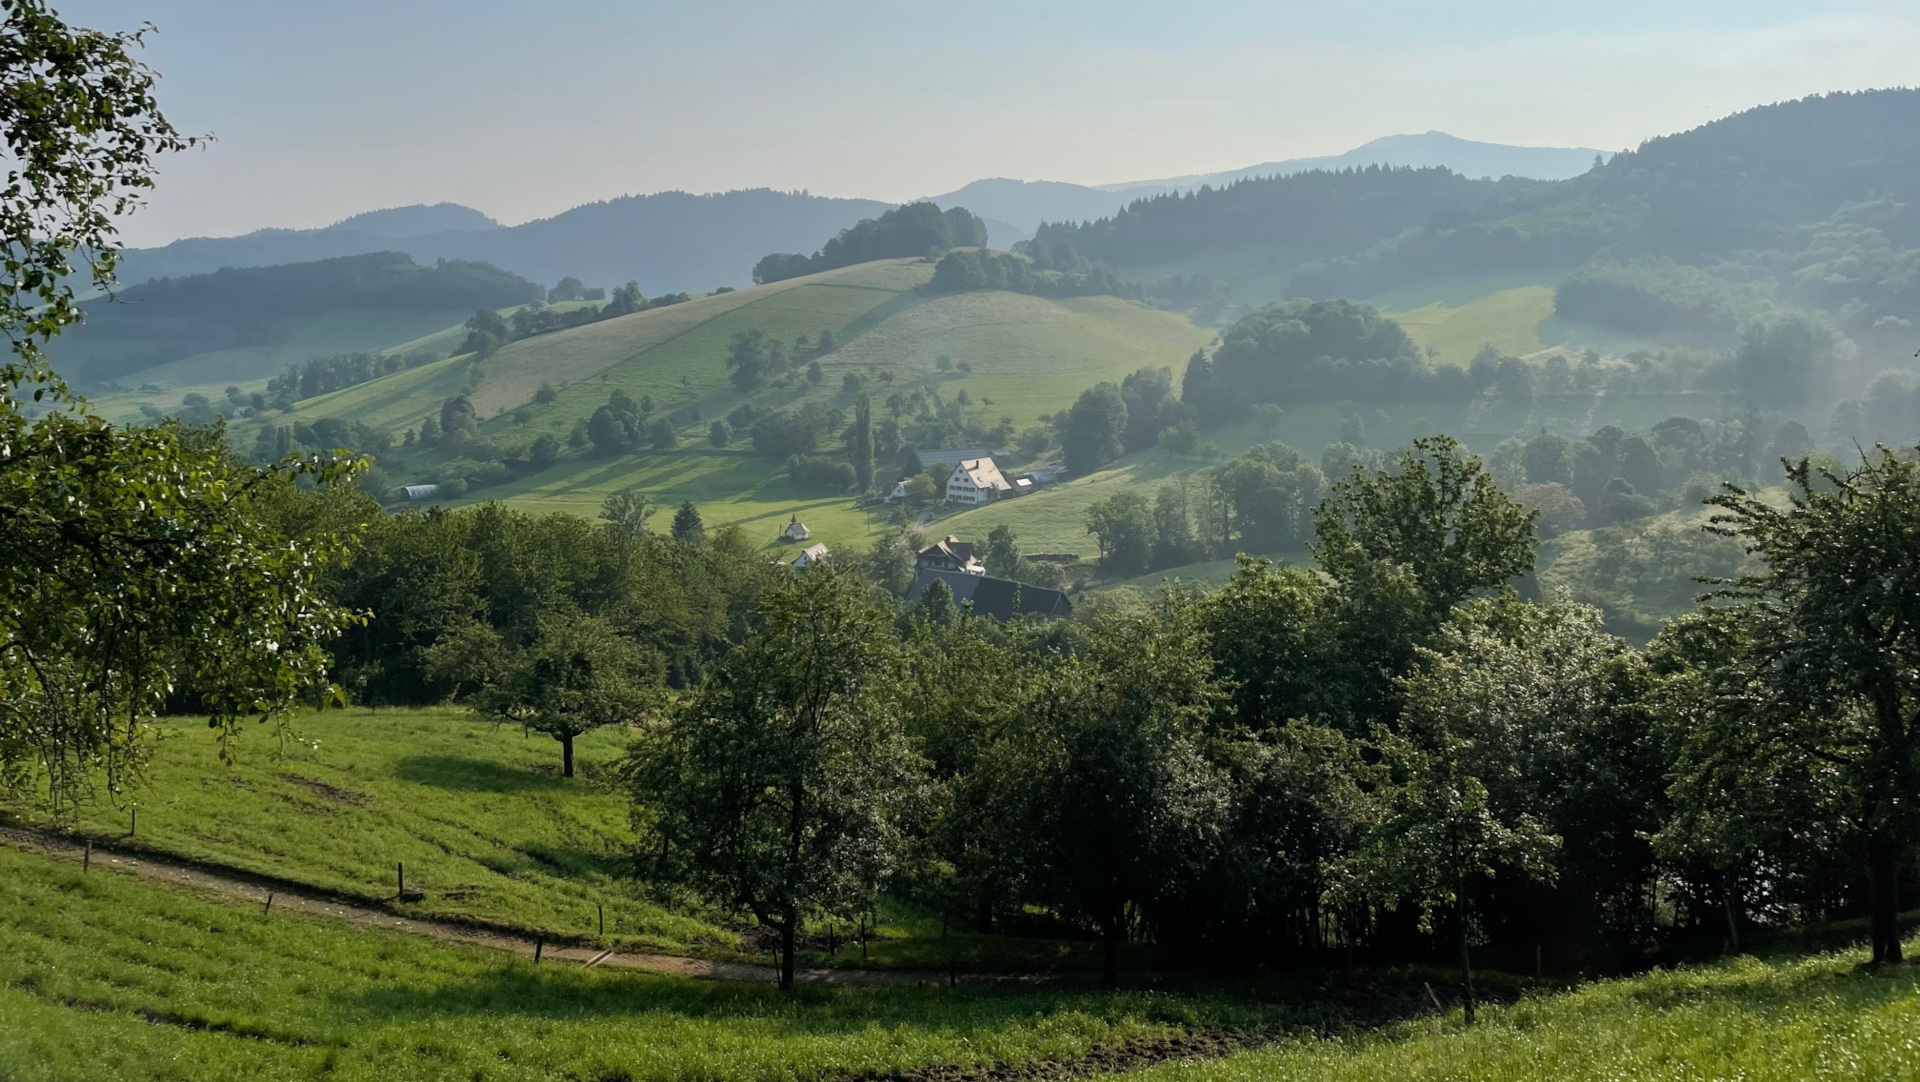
[106, 979]
[1508, 320]
[110, 978]
[485, 826]
[478, 813]
[1757, 1021]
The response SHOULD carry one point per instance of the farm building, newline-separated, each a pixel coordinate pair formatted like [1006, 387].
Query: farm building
[976, 481]
[1001, 599]
[950, 554]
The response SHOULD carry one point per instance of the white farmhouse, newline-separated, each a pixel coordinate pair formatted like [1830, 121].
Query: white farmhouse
[812, 555]
[976, 481]
[796, 530]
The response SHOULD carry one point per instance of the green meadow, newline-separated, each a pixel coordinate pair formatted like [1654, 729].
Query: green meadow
[106, 978]
[478, 813]
[1779, 1020]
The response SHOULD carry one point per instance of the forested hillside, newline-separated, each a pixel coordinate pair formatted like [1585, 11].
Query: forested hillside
[164, 321]
[1805, 204]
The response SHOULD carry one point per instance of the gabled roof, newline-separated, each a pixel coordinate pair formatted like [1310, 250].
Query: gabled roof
[984, 474]
[811, 555]
[1002, 599]
[950, 547]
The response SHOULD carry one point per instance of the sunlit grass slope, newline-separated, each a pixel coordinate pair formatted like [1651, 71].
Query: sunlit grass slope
[1014, 356]
[1800, 1020]
[1508, 320]
[108, 979]
[477, 812]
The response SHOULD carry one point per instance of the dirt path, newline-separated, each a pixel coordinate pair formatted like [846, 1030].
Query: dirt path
[292, 896]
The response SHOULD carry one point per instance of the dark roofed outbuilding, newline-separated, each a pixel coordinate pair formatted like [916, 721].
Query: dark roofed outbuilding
[1002, 599]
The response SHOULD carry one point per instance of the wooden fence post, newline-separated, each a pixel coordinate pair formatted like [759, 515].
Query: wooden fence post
[602, 907]
[538, 946]
[269, 905]
[400, 878]
[133, 823]
[86, 858]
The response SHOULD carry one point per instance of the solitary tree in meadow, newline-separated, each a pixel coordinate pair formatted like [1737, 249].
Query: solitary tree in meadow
[577, 675]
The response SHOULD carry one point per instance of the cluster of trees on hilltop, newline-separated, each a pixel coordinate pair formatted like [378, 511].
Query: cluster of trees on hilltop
[487, 330]
[1048, 272]
[917, 229]
[1315, 351]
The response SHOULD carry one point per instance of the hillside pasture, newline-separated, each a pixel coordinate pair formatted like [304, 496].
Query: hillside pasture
[477, 812]
[110, 979]
[1508, 320]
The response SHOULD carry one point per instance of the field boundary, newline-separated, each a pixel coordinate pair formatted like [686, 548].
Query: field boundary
[230, 884]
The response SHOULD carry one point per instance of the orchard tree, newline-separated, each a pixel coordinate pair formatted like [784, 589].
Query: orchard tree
[782, 786]
[1826, 666]
[135, 564]
[576, 675]
[1120, 802]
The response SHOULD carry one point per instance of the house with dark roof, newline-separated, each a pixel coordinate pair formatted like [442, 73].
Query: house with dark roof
[950, 554]
[1001, 599]
[943, 462]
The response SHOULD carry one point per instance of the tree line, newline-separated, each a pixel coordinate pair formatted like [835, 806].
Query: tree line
[914, 230]
[1393, 755]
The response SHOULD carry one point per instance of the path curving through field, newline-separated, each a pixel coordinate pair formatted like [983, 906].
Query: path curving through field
[294, 896]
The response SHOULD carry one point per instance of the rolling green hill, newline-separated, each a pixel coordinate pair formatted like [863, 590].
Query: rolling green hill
[1014, 355]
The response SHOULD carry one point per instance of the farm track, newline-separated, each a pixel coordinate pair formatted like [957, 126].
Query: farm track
[230, 884]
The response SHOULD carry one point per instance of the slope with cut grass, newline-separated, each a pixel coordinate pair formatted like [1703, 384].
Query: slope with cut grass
[108, 979]
[477, 813]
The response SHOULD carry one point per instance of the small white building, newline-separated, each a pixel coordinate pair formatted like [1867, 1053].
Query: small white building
[421, 492]
[796, 530]
[976, 481]
[813, 554]
[899, 492]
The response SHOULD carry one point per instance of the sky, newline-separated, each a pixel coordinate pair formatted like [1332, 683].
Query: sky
[524, 109]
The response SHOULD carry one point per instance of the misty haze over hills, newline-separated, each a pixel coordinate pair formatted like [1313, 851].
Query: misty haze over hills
[671, 241]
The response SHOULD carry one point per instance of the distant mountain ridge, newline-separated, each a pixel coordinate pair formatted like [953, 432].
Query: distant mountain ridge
[1467, 157]
[1024, 204]
[667, 242]
[676, 241]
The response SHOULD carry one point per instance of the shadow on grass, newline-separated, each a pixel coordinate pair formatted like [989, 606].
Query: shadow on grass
[559, 991]
[474, 775]
[1772, 988]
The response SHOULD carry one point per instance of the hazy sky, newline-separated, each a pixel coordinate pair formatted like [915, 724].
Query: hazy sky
[524, 109]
